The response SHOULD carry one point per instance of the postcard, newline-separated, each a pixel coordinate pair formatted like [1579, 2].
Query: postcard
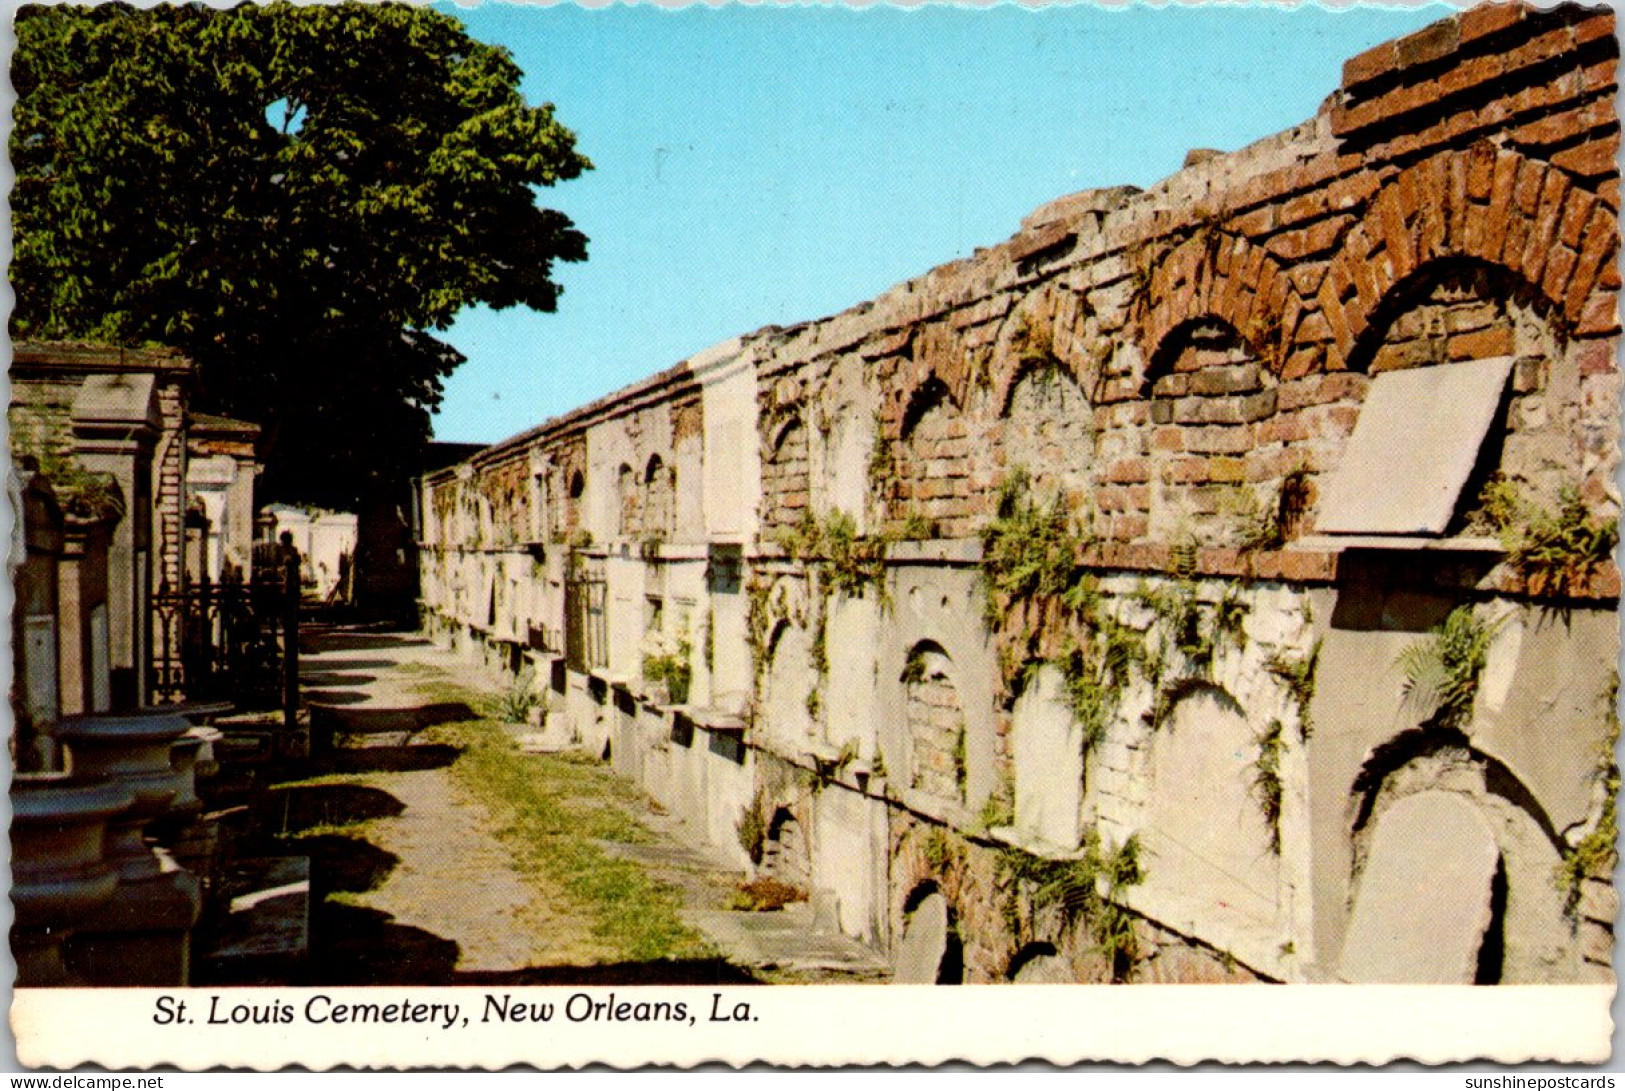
[559, 535]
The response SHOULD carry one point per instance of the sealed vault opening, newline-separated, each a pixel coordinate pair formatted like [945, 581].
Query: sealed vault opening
[1414, 449]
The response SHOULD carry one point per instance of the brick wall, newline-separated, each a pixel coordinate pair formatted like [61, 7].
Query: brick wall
[1218, 330]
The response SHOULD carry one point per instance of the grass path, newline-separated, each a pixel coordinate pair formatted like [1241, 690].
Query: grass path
[549, 811]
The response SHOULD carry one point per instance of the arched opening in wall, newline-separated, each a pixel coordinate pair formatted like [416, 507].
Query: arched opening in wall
[1453, 865]
[1208, 848]
[1450, 310]
[931, 467]
[931, 951]
[1039, 964]
[1047, 742]
[1048, 427]
[626, 492]
[658, 501]
[786, 857]
[1201, 344]
[935, 718]
[572, 513]
[850, 448]
[790, 680]
[1205, 377]
[1463, 358]
[785, 485]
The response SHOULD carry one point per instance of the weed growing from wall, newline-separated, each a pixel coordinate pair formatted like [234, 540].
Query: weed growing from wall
[1596, 854]
[1029, 549]
[1298, 675]
[1074, 888]
[1558, 552]
[1189, 637]
[847, 561]
[752, 828]
[1442, 670]
[1267, 784]
[1000, 808]
[758, 620]
[515, 705]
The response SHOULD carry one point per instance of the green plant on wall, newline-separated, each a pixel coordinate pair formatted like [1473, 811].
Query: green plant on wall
[1267, 782]
[1074, 888]
[1034, 344]
[758, 620]
[1596, 854]
[1558, 552]
[848, 562]
[1030, 549]
[1096, 670]
[1298, 675]
[882, 468]
[672, 667]
[941, 850]
[1269, 521]
[1442, 670]
[999, 810]
[961, 764]
[752, 828]
[516, 704]
[1188, 636]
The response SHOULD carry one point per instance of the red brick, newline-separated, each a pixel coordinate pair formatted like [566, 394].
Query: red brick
[1593, 159]
[1557, 42]
[1487, 19]
[1367, 66]
[1481, 345]
[1601, 245]
[1431, 43]
[1559, 265]
[1576, 213]
[1598, 23]
[1596, 357]
[1307, 567]
[1168, 439]
[1553, 193]
[1601, 316]
[1599, 77]
[1608, 193]
[1130, 471]
[1480, 170]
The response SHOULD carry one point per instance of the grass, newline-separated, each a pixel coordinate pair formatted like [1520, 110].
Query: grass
[550, 810]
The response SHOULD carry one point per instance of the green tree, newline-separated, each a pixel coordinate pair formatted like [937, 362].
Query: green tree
[296, 196]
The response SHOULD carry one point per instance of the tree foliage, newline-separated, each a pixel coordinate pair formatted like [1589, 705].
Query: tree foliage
[296, 196]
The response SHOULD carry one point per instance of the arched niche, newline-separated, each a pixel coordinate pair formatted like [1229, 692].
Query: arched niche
[935, 718]
[931, 462]
[1492, 836]
[1456, 316]
[785, 476]
[1205, 839]
[1430, 905]
[929, 951]
[659, 505]
[789, 679]
[626, 493]
[785, 854]
[1048, 748]
[1048, 426]
[1206, 377]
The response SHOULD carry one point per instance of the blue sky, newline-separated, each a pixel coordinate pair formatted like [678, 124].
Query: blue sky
[769, 165]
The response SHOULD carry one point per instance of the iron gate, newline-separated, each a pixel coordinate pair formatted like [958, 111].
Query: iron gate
[586, 630]
[229, 641]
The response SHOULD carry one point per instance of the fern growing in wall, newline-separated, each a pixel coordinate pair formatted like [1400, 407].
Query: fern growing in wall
[1442, 670]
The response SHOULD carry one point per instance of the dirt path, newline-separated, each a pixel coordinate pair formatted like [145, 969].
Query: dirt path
[454, 879]
[597, 886]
